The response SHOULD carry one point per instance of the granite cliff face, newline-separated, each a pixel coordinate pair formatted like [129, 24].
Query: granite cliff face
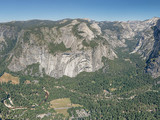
[76, 50]
[153, 62]
[68, 47]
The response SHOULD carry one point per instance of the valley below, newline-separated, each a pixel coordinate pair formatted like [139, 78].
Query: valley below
[80, 69]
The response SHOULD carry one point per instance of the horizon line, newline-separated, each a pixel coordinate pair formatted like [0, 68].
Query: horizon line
[25, 20]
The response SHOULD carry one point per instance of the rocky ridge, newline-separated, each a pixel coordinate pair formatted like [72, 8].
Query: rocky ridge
[68, 47]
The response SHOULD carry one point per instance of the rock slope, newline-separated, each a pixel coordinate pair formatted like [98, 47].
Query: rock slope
[74, 54]
[68, 47]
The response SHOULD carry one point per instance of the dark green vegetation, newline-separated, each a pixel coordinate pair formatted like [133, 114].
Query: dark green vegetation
[113, 26]
[120, 90]
[76, 32]
[32, 24]
[53, 48]
[91, 44]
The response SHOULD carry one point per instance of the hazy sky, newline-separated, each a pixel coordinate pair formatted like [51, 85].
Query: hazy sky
[99, 10]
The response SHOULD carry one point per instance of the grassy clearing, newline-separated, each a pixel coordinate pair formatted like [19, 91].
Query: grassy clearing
[62, 105]
[63, 111]
[6, 77]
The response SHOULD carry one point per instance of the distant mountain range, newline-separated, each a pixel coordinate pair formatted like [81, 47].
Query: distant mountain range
[70, 46]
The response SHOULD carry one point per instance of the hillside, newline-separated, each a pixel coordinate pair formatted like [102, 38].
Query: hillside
[99, 70]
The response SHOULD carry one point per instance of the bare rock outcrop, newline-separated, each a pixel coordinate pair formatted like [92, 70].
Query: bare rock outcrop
[70, 62]
[69, 47]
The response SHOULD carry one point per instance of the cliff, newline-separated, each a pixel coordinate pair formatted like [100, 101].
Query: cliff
[68, 47]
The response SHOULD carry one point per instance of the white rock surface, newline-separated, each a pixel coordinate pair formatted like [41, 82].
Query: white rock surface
[97, 28]
[69, 64]
[80, 57]
[87, 33]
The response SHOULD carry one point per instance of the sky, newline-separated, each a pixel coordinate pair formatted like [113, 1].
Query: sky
[99, 10]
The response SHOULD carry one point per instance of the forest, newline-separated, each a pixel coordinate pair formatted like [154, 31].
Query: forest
[121, 90]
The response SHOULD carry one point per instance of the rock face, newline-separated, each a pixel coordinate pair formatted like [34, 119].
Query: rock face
[153, 63]
[69, 47]
[68, 63]
[8, 38]
[85, 31]
[70, 58]
[145, 36]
